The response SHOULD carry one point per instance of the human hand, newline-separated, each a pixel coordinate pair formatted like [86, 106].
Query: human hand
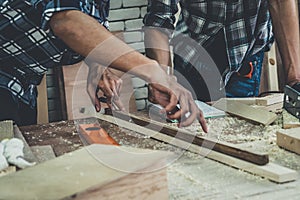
[170, 97]
[103, 82]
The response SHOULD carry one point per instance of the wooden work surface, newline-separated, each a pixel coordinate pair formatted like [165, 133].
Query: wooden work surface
[190, 176]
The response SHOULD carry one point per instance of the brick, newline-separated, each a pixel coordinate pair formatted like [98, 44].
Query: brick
[116, 26]
[137, 82]
[134, 24]
[141, 93]
[130, 37]
[115, 4]
[123, 14]
[134, 3]
[138, 46]
[141, 104]
[143, 11]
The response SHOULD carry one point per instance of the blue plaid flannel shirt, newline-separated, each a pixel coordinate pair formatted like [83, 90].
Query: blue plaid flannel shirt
[246, 25]
[28, 47]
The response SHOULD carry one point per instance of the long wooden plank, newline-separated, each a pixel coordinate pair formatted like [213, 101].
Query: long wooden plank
[270, 171]
[91, 167]
[222, 147]
[247, 112]
[42, 105]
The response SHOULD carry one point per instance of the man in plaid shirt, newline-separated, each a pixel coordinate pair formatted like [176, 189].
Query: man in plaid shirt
[235, 34]
[39, 34]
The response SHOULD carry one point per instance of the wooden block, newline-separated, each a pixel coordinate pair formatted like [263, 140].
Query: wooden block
[43, 153]
[87, 171]
[270, 99]
[6, 129]
[270, 171]
[244, 100]
[246, 112]
[289, 121]
[289, 139]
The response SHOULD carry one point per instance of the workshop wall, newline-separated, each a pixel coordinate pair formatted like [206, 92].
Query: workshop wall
[126, 18]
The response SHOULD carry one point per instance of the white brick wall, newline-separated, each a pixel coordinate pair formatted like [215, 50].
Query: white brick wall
[134, 3]
[127, 16]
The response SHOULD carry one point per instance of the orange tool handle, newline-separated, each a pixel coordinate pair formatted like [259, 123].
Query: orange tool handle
[94, 134]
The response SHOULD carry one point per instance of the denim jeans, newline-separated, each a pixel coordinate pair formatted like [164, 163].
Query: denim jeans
[240, 86]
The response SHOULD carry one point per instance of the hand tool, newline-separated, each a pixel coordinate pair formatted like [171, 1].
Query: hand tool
[291, 101]
[95, 134]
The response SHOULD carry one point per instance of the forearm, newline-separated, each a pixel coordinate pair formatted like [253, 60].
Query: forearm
[157, 46]
[286, 30]
[87, 37]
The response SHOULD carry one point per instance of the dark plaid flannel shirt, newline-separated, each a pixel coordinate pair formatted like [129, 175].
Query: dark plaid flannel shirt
[28, 47]
[246, 25]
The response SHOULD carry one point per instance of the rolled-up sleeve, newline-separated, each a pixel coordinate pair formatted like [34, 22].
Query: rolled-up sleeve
[161, 14]
[56, 6]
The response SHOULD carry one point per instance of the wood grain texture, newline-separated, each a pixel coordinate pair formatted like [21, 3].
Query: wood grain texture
[43, 153]
[91, 167]
[222, 147]
[133, 186]
[289, 139]
[270, 171]
[246, 112]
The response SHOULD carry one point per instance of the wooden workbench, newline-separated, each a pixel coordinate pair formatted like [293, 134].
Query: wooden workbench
[189, 177]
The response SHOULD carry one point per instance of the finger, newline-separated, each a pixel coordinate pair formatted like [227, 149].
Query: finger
[184, 109]
[97, 103]
[173, 100]
[117, 103]
[202, 122]
[186, 121]
[109, 103]
[119, 84]
[106, 88]
[113, 85]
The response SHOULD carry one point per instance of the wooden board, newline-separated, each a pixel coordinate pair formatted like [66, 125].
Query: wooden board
[134, 186]
[289, 121]
[289, 139]
[42, 102]
[244, 100]
[246, 112]
[270, 99]
[28, 155]
[43, 153]
[78, 102]
[6, 130]
[8, 170]
[270, 171]
[90, 169]
[222, 147]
